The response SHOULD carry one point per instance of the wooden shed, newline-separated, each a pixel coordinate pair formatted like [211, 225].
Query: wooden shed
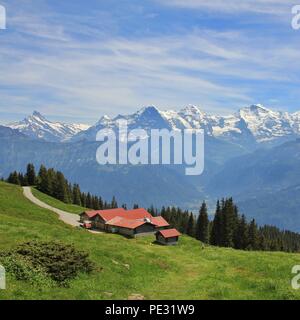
[168, 237]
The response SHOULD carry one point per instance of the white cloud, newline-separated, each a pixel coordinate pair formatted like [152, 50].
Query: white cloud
[62, 74]
[274, 7]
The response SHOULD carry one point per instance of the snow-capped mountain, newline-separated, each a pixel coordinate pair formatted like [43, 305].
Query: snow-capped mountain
[253, 124]
[36, 126]
[250, 125]
[147, 118]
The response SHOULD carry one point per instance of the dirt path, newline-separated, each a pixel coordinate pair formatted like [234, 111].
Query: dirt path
[67, 217]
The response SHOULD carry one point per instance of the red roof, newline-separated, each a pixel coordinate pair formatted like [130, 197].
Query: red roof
[125, 223]
[127, 218]
[159, 222]
[139, 213]
[170, 233]
[106, 214]
[135, 214]
[90, 214]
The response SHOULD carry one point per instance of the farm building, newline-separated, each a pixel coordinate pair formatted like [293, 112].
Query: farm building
[133, 223]
[168, 236]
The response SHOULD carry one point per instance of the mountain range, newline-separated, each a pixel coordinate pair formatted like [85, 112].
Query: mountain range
[252, 155]
[250, 125]
[36, 126]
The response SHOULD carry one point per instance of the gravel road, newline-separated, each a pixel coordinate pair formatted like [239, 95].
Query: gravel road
[67, 217]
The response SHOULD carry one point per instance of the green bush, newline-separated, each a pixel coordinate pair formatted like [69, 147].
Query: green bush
[57, 261]
[22, 269]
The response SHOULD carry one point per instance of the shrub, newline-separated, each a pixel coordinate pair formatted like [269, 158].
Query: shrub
[60, 262]
[22, 269]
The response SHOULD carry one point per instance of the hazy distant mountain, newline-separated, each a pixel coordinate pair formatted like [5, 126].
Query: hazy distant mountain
[9, 133]
[265, 183]
[280, 208]
[264, 170]
[37, 126]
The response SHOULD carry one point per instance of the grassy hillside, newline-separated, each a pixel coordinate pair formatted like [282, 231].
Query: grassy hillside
[56, 203]
[130, 266]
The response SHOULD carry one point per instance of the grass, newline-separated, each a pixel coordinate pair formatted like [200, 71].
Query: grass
[56, 203]
[137, 266]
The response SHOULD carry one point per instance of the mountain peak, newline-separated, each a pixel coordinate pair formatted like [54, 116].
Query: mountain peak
[149, 110]
[36, 126]
[191, 110]
[38, 115]
[104, 120]
[255, 108]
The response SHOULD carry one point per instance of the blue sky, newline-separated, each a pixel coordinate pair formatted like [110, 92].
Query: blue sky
[76, 60]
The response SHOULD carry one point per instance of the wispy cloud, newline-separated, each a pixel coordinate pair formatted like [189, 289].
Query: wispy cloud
[82, 73]
[274, 7]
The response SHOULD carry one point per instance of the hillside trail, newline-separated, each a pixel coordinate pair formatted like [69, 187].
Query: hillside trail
[67, 217]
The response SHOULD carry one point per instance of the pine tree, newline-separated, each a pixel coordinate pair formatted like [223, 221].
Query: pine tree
[42, 180]
[83, 200]
[101, 205]
[151, 210]
[253, 236]
[202, 228]
[191, 226]
[30, 174]
[61, 188]
[51, 182]
[23, 179]
[95, 202]
[230, 222]
[241, 237]
[114, 203]
[76, 195]
[216, 230]
[89, 203]
[14, 178]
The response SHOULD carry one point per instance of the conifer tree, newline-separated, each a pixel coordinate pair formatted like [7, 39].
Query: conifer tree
[202, 228]
[253, 236]
[83, 200]
[14, 178]
[23, 179]
[216, 230]
[241, 238]
[89, 203]
[42, 180]
[101, 205]
[191, 226]
[30, 175]
[61, 188]
[230, 221]
[76, 195]
[114, 203]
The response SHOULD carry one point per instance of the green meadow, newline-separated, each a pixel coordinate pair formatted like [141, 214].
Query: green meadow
[138, 266]
[56, 203]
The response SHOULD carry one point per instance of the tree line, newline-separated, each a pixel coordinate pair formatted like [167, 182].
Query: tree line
[54, 184]
[228, 228]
